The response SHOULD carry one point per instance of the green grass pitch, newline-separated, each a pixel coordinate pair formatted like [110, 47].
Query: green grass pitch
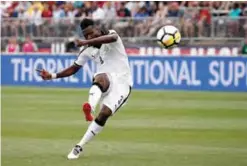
[155, 128]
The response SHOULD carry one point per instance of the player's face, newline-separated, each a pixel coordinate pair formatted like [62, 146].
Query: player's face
[90, 33]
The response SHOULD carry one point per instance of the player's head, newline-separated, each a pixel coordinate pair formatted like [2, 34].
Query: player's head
[89, 29]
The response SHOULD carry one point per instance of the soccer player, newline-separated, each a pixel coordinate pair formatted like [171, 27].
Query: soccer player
[111, 83]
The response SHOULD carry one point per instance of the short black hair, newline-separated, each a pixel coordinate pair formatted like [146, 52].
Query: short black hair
[86, 23]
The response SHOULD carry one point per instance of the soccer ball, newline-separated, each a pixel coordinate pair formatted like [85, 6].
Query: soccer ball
[168, 36]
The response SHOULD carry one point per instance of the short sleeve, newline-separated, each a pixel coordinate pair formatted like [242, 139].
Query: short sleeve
[112, 31]
[82, 58]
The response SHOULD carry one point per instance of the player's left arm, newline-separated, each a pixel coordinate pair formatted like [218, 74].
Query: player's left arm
[110, 38]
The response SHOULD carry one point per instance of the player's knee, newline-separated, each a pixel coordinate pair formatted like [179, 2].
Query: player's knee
[102, 82]
[103, 116]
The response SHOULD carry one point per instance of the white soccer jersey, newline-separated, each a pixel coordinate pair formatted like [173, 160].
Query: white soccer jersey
[110, 58]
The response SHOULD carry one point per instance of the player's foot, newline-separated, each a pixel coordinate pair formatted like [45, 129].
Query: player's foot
[75, 152]
[87, 111]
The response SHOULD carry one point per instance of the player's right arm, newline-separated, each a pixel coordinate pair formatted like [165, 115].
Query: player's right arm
[81, 60]
[65, 73]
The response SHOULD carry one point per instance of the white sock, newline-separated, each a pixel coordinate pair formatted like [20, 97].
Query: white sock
[94, 96]
[92, 130]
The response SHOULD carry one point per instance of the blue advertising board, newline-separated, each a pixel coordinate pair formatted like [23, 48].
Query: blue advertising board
[174, 73]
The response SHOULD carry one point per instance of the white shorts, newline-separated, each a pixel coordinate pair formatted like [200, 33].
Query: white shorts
[117, 94]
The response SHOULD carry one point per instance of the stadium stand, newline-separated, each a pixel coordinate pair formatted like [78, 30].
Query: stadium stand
[201, 23]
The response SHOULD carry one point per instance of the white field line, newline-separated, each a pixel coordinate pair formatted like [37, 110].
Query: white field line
[43, 145]
[178, 123]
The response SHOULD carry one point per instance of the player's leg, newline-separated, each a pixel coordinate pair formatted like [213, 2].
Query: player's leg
[111, 103]
[100, 85]
[94, 128]
[118, 94]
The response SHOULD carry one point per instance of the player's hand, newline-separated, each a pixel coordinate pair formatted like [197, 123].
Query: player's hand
[44, 74]
[80, 43]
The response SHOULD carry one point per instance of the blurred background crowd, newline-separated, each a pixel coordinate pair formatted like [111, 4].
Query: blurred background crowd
[136, 22]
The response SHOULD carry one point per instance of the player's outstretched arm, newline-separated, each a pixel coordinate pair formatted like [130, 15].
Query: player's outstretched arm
[99, 40]
[65, 73]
